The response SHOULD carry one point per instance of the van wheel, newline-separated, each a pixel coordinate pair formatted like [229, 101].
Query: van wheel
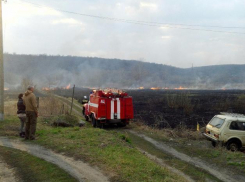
[93, 121]
[233, 145]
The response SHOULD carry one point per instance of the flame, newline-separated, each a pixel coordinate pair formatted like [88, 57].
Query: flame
[155, 88]
[112, 90]
[48, 89]
[6, 89]
[68, 86]
[180, 88]
[45, 89]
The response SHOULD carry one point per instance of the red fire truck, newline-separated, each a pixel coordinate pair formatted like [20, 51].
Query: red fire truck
[109, 107]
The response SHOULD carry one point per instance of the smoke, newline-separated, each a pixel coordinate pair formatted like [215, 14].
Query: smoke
[60, 71]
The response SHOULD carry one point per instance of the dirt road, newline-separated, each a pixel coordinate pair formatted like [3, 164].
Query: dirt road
[6, 173]
[163, 164]
[221, 174]
[78, 169]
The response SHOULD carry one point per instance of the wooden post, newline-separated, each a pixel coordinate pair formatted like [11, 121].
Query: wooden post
[62, 109]
[37, 102]
[72, 98]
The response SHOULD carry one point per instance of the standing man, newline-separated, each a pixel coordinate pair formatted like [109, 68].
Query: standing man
[31, 113]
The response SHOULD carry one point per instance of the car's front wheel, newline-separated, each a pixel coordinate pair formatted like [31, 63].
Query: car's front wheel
[233, 145]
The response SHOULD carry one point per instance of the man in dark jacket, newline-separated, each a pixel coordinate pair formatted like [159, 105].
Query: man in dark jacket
[21, 113]
[31, 113]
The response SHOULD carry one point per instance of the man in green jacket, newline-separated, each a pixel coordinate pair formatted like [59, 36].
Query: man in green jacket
[31, 113]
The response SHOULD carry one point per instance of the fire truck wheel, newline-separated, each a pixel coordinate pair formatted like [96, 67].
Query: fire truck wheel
[94, 121]
[86, 118]
[98, 124]
[122, 124]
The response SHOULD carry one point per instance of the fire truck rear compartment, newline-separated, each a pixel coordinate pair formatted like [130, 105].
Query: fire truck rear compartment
[110, 109]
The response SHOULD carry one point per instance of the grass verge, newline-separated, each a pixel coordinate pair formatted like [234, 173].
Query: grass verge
[30, 168]
[68, 102]
[196, 174]
[109, 150]
[193, 144]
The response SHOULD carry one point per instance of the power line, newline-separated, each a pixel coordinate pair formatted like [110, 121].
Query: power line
[145, 23]
[138, 21]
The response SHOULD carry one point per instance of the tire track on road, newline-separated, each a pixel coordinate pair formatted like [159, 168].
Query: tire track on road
[78, 169]
[218, 173]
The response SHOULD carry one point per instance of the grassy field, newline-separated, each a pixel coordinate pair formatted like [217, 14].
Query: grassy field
[30, 168]
[192, 171]
[115, 151]
[194, 144]
[68, 102]
[109, 150]
[48, 106]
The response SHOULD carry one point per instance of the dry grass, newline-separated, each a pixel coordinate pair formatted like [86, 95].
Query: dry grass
[180, 131]
[10, 107]
[48, 106]
[51, 106]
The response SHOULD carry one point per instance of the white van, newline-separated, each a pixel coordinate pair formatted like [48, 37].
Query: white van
[227, 129]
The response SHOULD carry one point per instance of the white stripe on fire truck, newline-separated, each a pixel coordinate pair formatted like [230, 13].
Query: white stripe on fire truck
[118, 109]
[112, 108]
[93, 105]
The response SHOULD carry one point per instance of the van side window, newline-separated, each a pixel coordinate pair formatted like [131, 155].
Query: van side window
[237, 125]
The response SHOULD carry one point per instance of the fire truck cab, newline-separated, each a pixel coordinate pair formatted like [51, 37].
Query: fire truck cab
[109, 107]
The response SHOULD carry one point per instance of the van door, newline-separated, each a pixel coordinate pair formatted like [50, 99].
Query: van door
[237, 129]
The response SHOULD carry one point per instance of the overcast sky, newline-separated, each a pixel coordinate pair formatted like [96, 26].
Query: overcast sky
[30, 29]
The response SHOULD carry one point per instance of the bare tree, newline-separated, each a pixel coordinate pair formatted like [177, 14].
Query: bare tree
[25, 83]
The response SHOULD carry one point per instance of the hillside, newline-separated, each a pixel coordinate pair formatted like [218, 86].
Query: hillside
[59, 71]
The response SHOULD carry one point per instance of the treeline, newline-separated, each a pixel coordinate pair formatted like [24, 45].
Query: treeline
[58, 71]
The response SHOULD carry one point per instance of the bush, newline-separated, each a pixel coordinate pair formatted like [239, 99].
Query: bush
[63, 120]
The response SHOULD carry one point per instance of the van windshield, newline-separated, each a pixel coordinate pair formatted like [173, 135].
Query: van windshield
[217, 122]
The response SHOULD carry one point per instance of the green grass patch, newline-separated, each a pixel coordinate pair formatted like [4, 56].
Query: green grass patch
[195, 173]
[109, 150]
[66, 118]
[199, 148]
[30, 168]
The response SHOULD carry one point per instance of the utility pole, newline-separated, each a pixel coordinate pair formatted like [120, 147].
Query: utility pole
[1, 68]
